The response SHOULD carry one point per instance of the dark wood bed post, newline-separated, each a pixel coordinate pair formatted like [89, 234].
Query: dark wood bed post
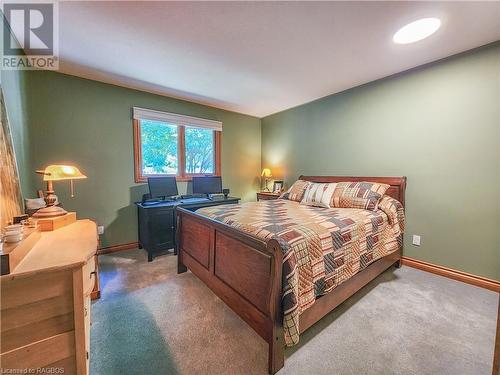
[276, 341]
[181, 268]
[401, 198]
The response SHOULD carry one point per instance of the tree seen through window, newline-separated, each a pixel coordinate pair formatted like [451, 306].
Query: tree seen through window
[199, 150]
[160, 149]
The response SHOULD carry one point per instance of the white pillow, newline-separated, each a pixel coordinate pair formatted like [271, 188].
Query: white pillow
[319, 195]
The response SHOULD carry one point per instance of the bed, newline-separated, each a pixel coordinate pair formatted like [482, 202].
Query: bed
[242, 253]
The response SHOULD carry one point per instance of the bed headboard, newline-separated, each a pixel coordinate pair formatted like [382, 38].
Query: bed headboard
[396, 190]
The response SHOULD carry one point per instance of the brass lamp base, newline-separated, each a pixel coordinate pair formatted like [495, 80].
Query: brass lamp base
[50, 211]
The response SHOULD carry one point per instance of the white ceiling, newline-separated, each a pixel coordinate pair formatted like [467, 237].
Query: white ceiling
[259, 58]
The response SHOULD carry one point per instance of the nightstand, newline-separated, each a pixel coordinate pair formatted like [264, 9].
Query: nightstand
[267, 195]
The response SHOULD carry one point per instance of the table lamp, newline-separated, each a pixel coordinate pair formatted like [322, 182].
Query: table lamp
[57, 173]
[266, 173]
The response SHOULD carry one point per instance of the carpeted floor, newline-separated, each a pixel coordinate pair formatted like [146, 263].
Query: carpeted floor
[150, 320]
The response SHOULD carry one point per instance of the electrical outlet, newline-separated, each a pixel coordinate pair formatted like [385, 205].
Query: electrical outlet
[100, 229]
[416, 240]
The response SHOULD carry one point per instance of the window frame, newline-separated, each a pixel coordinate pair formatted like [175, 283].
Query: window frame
[181, 155]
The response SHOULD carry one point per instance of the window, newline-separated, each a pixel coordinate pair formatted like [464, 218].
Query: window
[167, 144]
[159, 146]
[199, 152]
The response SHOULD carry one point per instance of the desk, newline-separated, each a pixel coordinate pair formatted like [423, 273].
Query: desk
[157, 222]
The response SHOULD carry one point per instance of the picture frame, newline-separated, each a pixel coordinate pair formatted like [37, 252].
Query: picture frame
[277, 186]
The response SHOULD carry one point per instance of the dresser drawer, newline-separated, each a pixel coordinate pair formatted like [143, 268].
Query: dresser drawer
[89, 275]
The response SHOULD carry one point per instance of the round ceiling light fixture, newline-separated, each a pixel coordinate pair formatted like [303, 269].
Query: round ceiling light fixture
[417, 30]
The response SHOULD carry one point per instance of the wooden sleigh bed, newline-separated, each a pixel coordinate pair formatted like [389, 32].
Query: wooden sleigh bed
[246, 272]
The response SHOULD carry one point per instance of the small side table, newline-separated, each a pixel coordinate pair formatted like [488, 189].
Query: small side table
[267, 195]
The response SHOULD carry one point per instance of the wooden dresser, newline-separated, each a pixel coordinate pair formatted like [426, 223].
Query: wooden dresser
[45, 303]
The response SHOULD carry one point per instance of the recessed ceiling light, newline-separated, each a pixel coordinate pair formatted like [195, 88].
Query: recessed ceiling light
[417, 30]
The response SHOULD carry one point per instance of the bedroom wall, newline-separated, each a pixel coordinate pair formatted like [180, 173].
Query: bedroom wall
[437, 125]
[14, 87]
[88, 123]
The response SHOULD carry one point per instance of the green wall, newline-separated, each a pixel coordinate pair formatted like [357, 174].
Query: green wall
[437, 125]
[15, 95]
[14, 88]
[88, 123]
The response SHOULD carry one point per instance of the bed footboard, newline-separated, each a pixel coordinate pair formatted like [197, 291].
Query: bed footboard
[242, 270]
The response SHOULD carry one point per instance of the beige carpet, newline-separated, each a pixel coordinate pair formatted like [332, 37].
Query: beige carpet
[152, 321]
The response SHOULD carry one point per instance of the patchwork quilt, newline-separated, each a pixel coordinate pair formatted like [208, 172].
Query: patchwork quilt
[322, 247]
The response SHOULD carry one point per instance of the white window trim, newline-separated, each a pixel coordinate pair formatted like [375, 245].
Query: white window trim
[175, 119]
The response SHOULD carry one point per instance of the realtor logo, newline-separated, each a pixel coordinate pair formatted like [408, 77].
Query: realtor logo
[29, 35]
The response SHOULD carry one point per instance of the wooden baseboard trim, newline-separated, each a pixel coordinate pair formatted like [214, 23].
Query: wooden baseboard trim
[468, 278]
[115, 248]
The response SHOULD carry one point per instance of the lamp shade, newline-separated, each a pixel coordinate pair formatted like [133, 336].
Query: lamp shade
[62, 172]
[266, 172]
